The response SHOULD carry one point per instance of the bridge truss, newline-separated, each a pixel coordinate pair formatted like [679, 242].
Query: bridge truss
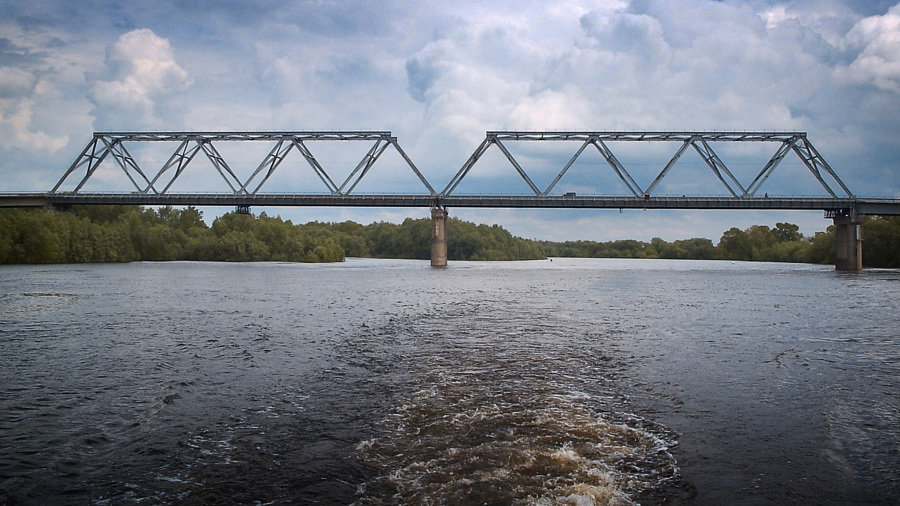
[189, 144]
[786, 141]
[155, 187]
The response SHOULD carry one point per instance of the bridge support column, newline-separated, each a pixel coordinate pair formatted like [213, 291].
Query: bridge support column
[848, 238]
[438, 237]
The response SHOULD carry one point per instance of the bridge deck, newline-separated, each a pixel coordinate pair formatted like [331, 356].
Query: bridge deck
[863, 205]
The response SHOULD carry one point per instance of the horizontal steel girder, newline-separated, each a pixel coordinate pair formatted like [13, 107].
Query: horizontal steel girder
[861, 206]
[645, 136]
[509, 201]
[334, 135]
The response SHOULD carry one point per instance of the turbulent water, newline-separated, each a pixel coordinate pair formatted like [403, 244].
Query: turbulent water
[389, 382]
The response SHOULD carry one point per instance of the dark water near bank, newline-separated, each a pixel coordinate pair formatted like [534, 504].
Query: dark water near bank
[388, 382]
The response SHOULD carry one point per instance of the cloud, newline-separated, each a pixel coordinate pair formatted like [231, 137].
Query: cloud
[20, 93]
[16, 82]
[624, 32]
[141, 73]
[877, 39]
[16, 130]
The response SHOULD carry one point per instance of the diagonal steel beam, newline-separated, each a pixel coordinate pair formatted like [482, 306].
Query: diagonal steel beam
[518, 167]
[271, 161]
[364, 165]
[90, 156]
[317, 168]
[814, 162]
[467, 166]
[126, 162]
[773, 162]
[718, 167]
[412, 165]
[371, 161]
[668, 167]
[179, 159]
[617, 167]
[566, 167]
[219, 163]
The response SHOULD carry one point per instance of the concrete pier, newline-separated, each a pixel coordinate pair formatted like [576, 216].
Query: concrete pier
[438, 237]
[848, 238]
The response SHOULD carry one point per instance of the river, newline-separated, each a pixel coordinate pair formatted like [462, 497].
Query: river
[369, 382]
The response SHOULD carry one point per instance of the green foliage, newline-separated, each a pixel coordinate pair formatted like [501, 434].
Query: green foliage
[45, 237]
[881, 241]
[784, 243]
[467, 241]
[129, 233]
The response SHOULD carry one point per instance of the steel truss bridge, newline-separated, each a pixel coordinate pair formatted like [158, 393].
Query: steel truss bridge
[154, 187]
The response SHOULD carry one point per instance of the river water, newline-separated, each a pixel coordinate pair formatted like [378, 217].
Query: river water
[572, 381]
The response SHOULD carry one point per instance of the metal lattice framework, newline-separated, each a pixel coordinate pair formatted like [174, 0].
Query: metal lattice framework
[104, 144]
[788, 141]
[155, 186]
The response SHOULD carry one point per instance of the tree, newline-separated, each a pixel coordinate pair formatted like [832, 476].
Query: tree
[881, 241]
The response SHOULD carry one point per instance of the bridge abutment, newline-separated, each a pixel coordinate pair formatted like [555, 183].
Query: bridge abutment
[848, 239]
[438, 237]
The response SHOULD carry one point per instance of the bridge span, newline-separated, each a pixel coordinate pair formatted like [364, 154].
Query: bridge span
[155, 188]
[863, 206]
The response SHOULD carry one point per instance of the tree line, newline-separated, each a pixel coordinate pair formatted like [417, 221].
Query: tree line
[783, 243]
[132, 233]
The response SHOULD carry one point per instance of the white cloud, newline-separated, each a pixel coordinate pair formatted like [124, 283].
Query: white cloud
[20, 95]
[16, 82]
[16, 130]
[141, 72]
[877, 38]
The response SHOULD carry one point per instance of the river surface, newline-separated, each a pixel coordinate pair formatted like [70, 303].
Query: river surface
[571, 381]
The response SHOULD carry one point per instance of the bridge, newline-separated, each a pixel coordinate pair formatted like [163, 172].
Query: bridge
[155, 188]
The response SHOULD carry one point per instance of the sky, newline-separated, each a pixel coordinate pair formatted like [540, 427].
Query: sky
[438, 75]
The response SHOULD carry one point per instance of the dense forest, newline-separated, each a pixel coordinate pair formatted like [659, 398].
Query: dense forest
[131, 233]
